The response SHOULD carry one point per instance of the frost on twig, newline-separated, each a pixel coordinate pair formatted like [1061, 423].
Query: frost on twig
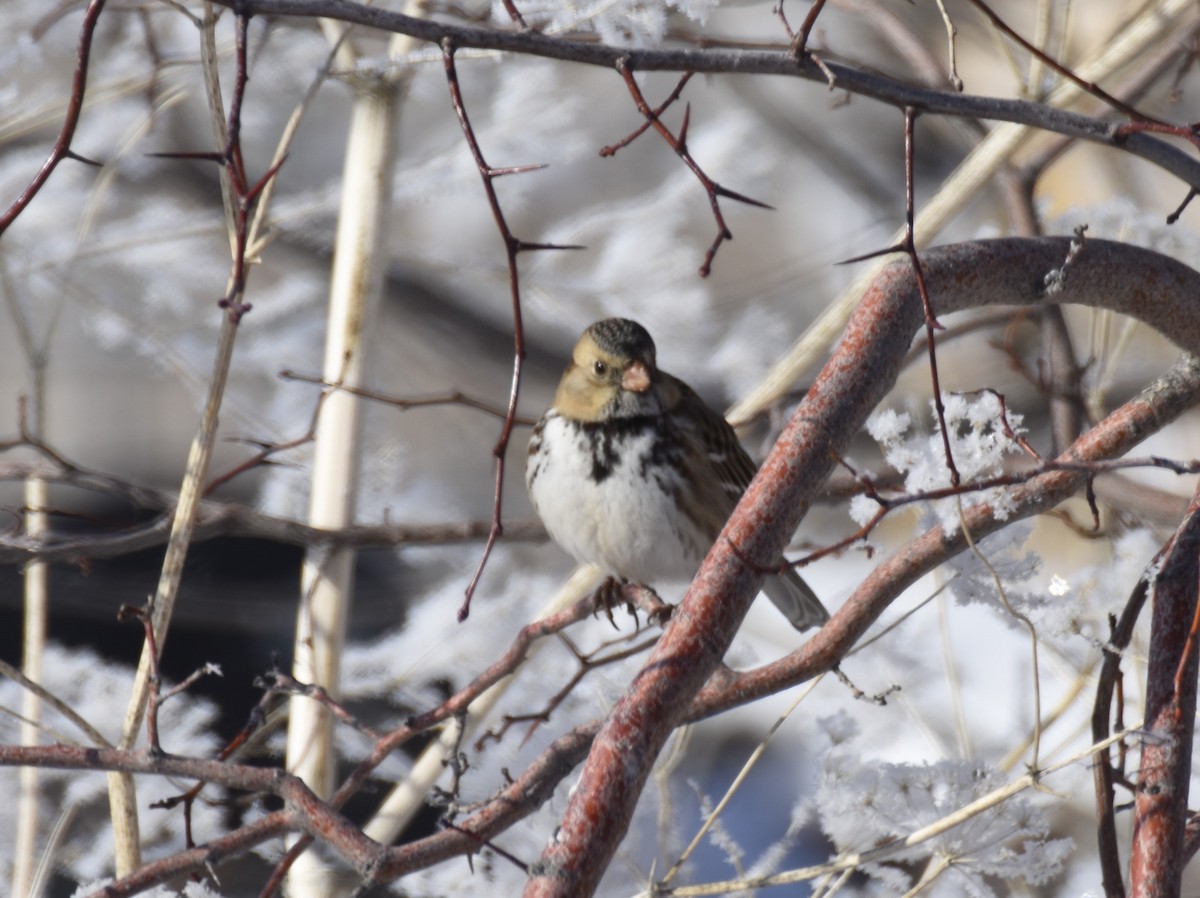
[863, 803]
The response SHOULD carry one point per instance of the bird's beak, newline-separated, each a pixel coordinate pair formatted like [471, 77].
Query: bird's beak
[636, 378]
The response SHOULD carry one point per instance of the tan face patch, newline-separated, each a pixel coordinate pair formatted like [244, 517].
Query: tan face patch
[590, 383]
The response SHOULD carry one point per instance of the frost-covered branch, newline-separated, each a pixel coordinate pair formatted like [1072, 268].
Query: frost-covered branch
[861, 371]
[782, 62]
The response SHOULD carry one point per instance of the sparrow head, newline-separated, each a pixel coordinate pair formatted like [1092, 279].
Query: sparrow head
[611, 373]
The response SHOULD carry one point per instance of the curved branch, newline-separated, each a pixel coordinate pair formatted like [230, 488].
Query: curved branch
[306, 813]
[1126, 279]
[1145, 414]
[62, 145]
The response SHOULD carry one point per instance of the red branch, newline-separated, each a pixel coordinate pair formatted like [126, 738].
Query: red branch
[1125, 427]
[863, 368]
[62, 145]
[1161, 798]
[1105, 773]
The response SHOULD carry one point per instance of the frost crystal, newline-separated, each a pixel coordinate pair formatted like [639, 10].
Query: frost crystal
[978, 442]
[864, 804]
[637, 22]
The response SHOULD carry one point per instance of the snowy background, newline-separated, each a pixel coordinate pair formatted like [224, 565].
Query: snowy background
[116, 272]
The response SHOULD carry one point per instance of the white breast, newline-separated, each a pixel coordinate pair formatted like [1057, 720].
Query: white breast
[621, 515]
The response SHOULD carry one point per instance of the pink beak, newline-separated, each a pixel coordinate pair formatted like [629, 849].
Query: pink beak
[636, 378]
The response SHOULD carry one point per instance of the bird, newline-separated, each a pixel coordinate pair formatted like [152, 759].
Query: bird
[631, 471]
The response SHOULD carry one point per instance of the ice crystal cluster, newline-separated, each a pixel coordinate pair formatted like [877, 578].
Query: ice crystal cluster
[979, 443]
[866, 805]
[630, 22]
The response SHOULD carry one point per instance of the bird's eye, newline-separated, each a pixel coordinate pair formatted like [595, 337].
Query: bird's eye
[600, 368]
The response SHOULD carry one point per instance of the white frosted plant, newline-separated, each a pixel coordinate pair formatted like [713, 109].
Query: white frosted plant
[864, 803]
[1068, 606]
[979, 444]
[1120, 218]
[92, 687]
[1001, 558]
[191, 889]
[1078, 602]
[636, 22]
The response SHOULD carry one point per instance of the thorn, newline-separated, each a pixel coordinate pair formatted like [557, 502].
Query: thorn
[516, 169]
[741, 198]
[874, 254]
[522, 246]
[71, 154]
[203, 157]
[258, 188]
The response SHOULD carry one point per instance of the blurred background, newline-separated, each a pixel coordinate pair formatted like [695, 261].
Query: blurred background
[111, 279]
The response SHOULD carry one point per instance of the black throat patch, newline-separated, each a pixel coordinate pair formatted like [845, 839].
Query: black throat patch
[606, 442]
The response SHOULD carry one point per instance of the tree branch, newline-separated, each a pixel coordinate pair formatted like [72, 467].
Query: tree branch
[863, 368]
[780, 62]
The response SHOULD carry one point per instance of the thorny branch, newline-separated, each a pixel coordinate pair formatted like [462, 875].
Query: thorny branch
[512, 247]
[678, 143]
[780, 62]
[1110, 438]
[1090, 469]
[454, 397]
[214, 518]
[586, 663]
[1050, 62]
[932, 325]
[62, 145]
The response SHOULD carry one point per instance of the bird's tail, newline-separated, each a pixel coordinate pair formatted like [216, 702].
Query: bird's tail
[796, 600]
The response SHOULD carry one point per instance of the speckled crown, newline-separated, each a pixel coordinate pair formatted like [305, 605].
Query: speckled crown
[623, 337]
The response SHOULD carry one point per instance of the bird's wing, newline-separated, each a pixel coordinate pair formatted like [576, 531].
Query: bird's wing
[721, 468]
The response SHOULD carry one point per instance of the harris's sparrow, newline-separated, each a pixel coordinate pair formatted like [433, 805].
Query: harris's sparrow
[631, 471]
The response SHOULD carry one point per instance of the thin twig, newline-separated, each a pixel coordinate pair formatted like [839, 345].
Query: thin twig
[62, 144]
[512, 247]
[678, 143]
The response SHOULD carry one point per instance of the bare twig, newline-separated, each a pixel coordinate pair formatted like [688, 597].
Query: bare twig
[678, 143]
[781, 62]
[454, 397]
[586, 664]
[800, 41]
[62, 145]
[239, 206]
[1105, 774]
[1058, 68]
[931, 323]
[512, 247]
